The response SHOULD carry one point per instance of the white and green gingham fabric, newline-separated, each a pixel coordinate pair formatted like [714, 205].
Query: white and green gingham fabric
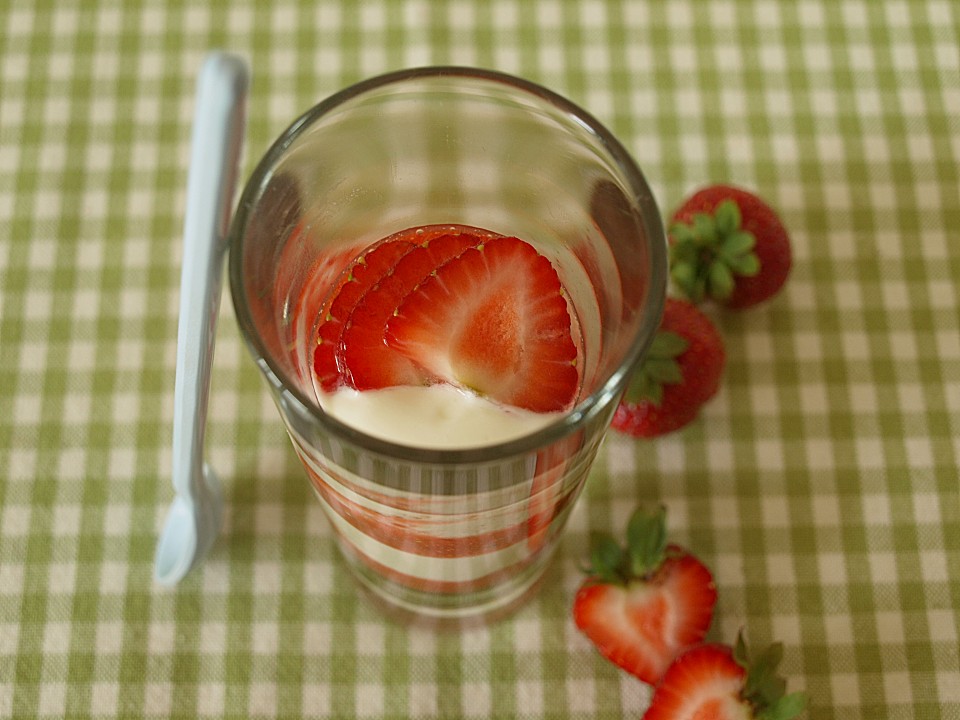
[821, 485]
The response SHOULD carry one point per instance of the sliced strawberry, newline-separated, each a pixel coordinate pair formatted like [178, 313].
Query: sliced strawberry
[302, 314]
[704, 682]
[717, 682]
[641, 627]
[365, 360]
[361, 275]
[494, 320]
[644, 605]
[371, 267]
[306, 267]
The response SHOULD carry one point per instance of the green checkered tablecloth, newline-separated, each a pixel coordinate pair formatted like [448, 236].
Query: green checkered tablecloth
[821, 485]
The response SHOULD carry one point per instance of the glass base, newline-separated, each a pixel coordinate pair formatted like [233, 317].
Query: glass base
[450, 611]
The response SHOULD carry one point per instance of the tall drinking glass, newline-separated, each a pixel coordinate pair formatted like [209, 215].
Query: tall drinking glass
[447, 535]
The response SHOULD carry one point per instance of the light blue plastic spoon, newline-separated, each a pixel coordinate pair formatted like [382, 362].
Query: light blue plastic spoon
[193, 520]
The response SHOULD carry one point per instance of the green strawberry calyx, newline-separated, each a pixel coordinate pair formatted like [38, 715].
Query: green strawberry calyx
[763, 688]
[708, 254]
[645, 550]
[660, 367]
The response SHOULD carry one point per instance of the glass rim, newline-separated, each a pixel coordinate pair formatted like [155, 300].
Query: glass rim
[294, 400]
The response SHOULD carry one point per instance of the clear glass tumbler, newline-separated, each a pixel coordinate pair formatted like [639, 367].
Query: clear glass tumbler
[464, 534]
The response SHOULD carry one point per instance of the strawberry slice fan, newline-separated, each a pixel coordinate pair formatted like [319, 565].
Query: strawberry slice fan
[470, 308]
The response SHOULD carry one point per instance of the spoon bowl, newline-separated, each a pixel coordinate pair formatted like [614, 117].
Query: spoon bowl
[191, 527]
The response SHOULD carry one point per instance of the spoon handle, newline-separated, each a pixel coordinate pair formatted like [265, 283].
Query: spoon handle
[211, 183]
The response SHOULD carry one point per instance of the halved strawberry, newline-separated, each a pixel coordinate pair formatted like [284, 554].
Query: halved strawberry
[644, 605]
[494, 320]
[365, 361]
[703, 682]
[717, 682]
[361, 275]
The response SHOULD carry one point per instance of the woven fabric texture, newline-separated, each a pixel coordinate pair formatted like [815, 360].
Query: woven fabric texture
[822, 485]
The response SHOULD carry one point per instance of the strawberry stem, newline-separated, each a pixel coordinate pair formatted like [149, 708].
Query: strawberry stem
[658, 368]
[645, 551]
[709, 253]
[763, 688]
[646, 539]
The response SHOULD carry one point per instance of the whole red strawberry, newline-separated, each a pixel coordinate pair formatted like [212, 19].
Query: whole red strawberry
[681, 371]
[717, 682]
[644, 605]
[730, 246]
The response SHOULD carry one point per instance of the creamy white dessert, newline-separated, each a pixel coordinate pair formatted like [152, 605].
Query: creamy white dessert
[438, 416]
